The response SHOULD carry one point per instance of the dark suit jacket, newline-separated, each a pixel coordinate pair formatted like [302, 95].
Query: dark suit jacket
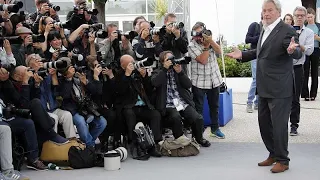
[275, 78]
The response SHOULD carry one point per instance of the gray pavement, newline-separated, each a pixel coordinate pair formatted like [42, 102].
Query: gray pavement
[235, 157]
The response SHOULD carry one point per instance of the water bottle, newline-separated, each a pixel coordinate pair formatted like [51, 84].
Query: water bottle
[53, 166]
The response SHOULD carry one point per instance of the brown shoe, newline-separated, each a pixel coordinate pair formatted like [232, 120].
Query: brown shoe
[267, 162]
[278, 168]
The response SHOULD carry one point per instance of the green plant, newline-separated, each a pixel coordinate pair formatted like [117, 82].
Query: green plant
[160, 7]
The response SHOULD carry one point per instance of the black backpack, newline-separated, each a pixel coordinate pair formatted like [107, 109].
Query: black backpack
[81, 158]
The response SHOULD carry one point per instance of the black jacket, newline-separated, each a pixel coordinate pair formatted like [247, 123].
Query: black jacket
[128, 89]
[143, 52]
[159, 81]
[179, 47]
[66, 91]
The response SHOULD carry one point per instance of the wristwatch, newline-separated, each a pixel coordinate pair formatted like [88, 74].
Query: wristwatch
[205, 49]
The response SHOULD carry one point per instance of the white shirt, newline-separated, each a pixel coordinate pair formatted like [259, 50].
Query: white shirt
[306, 39]
[268, 30]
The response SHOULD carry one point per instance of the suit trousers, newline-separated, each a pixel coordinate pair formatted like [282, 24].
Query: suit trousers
[273, 117]
[5, 148]
[295, 108]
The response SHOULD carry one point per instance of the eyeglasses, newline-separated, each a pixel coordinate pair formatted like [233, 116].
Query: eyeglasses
[300, 15]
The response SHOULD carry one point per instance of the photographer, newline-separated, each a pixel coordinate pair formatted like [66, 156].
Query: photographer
[175, 38]
[76, 91]
[147, 45]
[83, 40]
[133, 89]
[20, 125]
[7, 24]
[113, 47]
[24, 46]
[18, 92]
[48, 94]
[55, 42]
[174, 100]
[205, 74]
[6, 55]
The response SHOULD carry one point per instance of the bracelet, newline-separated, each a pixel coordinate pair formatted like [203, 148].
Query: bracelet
[205, 49]
[63, 37]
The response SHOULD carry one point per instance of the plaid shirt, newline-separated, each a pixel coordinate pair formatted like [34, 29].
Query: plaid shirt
[206, 76]
[172, 91]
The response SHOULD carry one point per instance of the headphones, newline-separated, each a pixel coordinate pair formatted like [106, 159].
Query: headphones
[197, 25]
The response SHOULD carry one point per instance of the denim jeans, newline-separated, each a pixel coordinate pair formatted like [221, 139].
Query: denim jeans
[89, 132]
[252, 91]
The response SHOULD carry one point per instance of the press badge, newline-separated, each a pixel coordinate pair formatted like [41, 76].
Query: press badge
[177, 104]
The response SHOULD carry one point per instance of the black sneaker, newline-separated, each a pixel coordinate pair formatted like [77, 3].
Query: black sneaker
[204, 143]
[37, 165]
[155, 151]
[293, 131]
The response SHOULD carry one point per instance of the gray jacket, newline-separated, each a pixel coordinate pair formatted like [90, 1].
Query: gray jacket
[108, 53]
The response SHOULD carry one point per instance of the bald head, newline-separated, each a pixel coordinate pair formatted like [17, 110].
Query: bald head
[18, 73]
[125, 60]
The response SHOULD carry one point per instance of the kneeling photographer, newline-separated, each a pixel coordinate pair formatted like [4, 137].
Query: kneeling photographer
[48, 88]
[174, 99]
[77, 91]
[22, 90]
[133, 89]
[115, 46]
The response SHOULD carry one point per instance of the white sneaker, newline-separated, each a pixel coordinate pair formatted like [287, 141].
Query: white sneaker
[183, 140]
[249, 108]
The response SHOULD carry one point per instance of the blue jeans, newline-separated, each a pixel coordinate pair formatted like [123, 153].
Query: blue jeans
[89, 133]
[253, 87]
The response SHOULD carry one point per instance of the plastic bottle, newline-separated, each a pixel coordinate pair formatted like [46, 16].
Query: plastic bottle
[52, 166]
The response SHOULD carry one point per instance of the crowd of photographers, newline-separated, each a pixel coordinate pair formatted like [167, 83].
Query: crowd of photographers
[89, 82]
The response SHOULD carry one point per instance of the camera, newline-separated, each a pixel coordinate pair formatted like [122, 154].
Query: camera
[143, 63]
[76, 56]
[96, 27]
[80, 69]
[100, 34]
[17, 2]
[10, 7]
[183, 60]
[54, 7]
[160, 32]
[60, 64]
[204, 31]
[38, 38]
[16, 18]
[63, 25]
[128, 34]
[11, 39]
[92, 11]
[88, 107]
[42, 73]
[177, 25]
[10, 111]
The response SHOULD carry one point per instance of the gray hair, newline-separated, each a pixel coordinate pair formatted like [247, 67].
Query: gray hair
[275, 2]
[300, 8]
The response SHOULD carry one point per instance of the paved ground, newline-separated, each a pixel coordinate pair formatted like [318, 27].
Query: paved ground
[232, 158]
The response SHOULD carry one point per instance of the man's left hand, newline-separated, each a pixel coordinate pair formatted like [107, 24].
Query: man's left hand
[177, 68]
[292, 46]
[143, 72]
[38, 79]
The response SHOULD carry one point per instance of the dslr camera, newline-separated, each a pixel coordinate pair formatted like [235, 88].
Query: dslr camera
[11, 8]
[54, 7]
[183, 60]
[143, 63]
[11, 111]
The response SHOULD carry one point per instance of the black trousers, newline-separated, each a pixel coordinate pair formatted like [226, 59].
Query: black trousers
[145, 115]
[191, 117]
[213, 101]
[112, 127]
[295, 107]
[273, 117]
[312, 61]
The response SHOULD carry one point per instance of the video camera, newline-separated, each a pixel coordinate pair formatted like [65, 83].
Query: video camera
[183, 60]
[10, 111]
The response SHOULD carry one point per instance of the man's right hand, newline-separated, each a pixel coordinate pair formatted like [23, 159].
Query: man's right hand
[236, 54]
[28, 40]
[27, 75]
[129, 69]
[114, 35]
[167, 63]
[44, 8]
[145, 34]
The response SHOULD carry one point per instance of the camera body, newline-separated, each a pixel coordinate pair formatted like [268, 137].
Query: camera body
[88, 107]
[54, 7]
[183, 60]
[143, 63]
[204, 31]
[56, 64]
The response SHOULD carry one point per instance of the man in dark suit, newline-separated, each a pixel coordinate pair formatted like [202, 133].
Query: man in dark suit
[277, 47]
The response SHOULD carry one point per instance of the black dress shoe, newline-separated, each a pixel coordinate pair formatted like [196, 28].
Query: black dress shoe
[204, 143]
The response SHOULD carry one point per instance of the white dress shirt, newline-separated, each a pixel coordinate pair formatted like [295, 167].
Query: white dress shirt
[268, 30]
[306, 39]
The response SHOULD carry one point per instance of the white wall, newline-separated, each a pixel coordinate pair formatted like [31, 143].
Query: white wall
[235, 16]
